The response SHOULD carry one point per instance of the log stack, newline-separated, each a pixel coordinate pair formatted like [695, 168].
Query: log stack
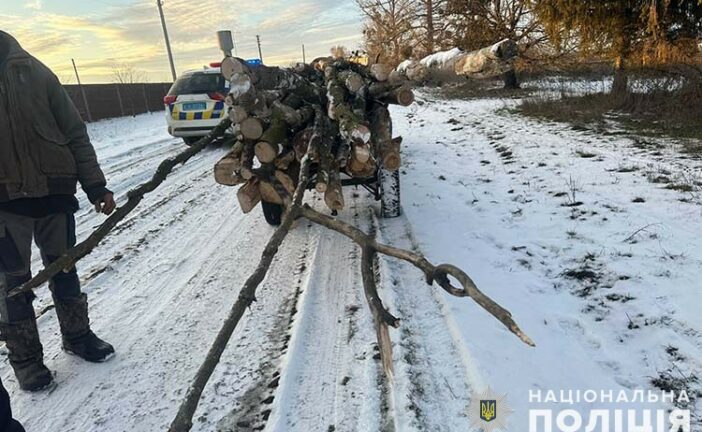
[332, 111]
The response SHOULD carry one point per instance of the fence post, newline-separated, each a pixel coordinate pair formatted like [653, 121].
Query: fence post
[119, 99]
[146, 99]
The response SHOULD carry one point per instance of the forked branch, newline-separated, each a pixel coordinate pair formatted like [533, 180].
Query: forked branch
[382, 318]
[438, 274]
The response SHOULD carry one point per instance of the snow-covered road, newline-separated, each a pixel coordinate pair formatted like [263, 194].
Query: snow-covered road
[540, 215]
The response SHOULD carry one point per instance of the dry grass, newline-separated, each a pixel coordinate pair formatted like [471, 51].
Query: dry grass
[480, 89]
[670, 106]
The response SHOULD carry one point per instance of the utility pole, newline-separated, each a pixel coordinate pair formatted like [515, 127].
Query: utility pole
[258, 41]
[304, 58]
[82, 91]
[159, 3]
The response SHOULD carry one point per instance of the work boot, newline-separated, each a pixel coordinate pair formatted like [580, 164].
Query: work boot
[26, 355]
[78, 339]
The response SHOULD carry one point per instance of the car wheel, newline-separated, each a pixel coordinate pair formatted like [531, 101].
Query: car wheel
[272, 212]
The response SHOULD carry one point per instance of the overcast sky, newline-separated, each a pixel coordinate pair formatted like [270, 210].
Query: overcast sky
[99, 34]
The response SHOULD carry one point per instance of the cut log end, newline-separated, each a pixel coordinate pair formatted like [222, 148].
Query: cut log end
[390, 154]
[265, 152]
[251, 128]
[227, 176]
[270, 194]
[361, 152]
[334, 199]
[237, 114]
[246, 173]
[403, 96]
[249, 196]
[381, 72]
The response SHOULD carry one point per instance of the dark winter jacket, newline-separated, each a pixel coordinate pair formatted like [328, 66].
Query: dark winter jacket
[44, 145]
[7, 423]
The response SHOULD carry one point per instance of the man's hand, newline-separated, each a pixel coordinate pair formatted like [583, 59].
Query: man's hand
[106, 204]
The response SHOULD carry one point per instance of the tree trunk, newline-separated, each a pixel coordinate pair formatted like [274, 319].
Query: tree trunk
[488, 62]
[430, 24]
[511, 80]
[620, 84]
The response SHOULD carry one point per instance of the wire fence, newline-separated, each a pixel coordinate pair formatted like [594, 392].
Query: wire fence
[117, 100]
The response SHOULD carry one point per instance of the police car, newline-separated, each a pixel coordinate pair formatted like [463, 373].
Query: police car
[195, 103]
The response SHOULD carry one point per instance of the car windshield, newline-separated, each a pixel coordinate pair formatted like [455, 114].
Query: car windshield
[198, 83]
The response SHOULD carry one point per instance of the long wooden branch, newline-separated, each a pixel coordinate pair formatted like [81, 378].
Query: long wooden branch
[382, 318]
[438, 274]
[73, 255]
[247, 295]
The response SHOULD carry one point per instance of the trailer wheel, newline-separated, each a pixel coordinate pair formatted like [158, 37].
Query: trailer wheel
[389, 183]
[272, 212]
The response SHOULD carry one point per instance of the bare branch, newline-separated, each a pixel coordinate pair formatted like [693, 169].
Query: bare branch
[433, 273]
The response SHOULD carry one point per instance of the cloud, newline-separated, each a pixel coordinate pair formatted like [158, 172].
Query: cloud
[132, 34]
[33, 5]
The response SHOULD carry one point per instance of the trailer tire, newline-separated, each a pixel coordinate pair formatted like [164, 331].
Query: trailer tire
[389, 184]
[273, 213]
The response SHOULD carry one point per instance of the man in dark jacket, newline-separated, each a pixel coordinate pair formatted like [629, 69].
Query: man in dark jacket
[44, 152]
[7, 423]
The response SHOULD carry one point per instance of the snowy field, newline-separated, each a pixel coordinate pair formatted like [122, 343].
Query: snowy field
[579, 235]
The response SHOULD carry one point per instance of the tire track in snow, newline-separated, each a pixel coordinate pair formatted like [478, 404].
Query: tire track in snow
[432, 382]
[251, 410]
[329, 375]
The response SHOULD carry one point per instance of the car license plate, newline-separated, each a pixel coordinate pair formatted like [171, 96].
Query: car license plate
[194, 106]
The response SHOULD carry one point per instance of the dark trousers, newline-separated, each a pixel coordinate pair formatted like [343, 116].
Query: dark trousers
[7, 423]
[53, 235]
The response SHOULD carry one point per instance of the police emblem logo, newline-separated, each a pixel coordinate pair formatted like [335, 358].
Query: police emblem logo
[488, 411]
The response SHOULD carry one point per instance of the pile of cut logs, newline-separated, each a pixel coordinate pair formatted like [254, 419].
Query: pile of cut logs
[332, 110]
[308, 125]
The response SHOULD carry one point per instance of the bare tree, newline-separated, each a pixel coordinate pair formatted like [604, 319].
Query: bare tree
[477, 23]
[125, 73]
[388, 30]
[431, 25]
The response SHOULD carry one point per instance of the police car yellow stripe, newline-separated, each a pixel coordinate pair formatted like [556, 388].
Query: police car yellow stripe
[198, 115]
